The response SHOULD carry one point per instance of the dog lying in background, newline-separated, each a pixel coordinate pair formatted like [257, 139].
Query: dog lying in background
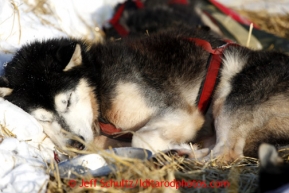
[136, 17]
[157, 87]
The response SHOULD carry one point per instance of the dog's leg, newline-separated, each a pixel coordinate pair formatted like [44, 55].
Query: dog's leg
[154, 141]
[244, 127]
[222, 126]
[231, 133]
[170, 130]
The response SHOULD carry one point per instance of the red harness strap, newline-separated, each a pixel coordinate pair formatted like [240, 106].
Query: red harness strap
[121, 30]
[214, 66]
[183, 2]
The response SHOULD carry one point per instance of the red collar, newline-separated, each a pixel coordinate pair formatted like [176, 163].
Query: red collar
[208, 86]
[205, 93]
[111, 131]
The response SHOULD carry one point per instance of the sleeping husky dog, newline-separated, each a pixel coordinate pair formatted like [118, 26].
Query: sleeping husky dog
[152, 86]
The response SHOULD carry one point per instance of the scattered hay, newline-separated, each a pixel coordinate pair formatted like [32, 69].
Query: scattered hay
[275, 24]
[5, 132]
[43, 8]
[176, 175]
[17, 14]
[40, 7]
[165, 174]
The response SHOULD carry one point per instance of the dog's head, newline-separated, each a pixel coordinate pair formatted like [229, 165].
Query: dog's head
[49, 80]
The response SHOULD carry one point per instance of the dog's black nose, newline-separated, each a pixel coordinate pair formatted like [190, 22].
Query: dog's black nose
[77, 144]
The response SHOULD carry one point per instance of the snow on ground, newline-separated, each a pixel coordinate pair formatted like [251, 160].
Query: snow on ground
[23, 156]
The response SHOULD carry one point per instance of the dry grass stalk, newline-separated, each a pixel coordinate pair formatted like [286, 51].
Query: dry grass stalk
[42, 9]
[16, 14]
[5, 132]
[249, 35]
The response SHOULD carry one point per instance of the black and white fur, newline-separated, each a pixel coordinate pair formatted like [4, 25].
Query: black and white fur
[149, 85]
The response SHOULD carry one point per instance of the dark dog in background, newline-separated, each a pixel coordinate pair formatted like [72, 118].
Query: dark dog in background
[137, 18]
[273, 175]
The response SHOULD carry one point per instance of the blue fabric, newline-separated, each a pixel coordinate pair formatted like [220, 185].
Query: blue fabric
[4, 59]
[2, 69]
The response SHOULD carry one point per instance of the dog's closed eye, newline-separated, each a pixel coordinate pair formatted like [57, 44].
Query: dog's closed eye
[63, 101]
[67, 102]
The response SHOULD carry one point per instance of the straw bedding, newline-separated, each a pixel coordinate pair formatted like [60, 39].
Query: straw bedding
[176, 175]
[166, 173]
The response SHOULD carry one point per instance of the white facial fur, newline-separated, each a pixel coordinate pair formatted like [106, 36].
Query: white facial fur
[76, 109]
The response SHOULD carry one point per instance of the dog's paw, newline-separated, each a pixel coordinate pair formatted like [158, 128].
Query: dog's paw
[199, 154]
[177, 152]
[190, 154]
[224, 157]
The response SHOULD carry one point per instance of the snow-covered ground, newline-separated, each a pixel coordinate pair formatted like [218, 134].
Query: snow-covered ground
[23, 155]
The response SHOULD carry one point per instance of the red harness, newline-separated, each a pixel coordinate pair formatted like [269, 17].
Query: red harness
[205, 93]
[121, 30]
[209, 83]
[182, 2]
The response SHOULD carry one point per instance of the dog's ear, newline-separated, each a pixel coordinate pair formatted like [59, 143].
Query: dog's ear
[76, 58]
[268, 156]
[4, 87]
[4, 91]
